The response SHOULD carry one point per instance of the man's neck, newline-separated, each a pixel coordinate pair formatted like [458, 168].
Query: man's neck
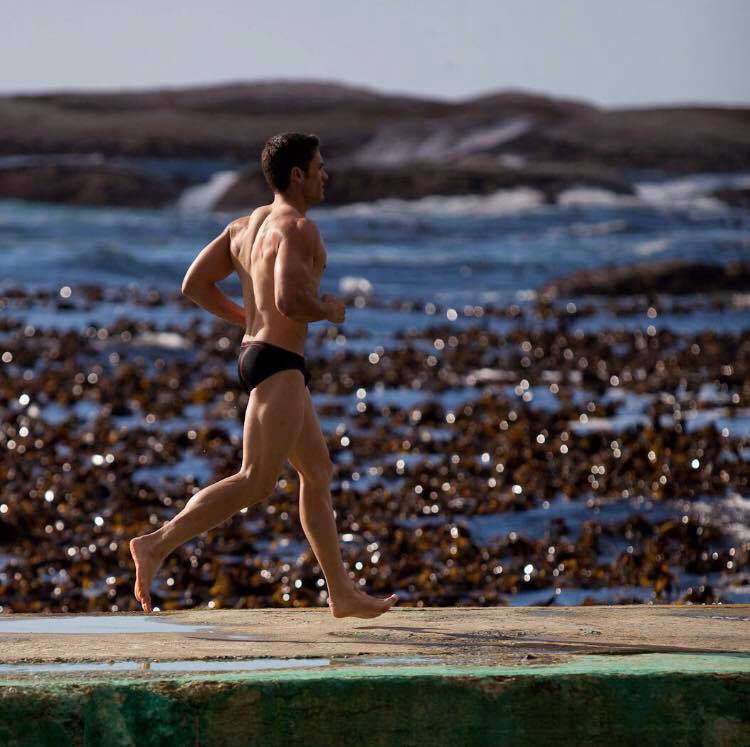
[294, 201]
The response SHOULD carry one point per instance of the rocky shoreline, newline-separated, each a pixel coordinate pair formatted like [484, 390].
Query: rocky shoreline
[104, 185]
[666, 276]
[349, 184]
[376, 145]
[535, 481]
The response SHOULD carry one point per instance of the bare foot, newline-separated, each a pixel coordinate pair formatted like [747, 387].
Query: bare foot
[358, 604]
[147, 563]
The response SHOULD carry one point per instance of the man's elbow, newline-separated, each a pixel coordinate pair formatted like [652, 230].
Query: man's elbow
[285, 306]
[191, 288]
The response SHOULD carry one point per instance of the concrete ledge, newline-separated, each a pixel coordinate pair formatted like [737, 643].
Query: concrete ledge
[654, 699]
[488, 687]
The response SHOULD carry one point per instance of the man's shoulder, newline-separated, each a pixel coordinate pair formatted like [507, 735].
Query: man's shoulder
[236, 226]
[246, 221]
[260, 213]
[302, 228]
[298, 235]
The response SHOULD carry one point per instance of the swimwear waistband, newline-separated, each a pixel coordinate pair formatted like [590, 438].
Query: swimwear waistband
[245, 344]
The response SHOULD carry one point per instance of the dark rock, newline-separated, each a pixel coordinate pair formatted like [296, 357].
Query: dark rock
[665, 276]
[89, 185]
[678, 140]
[739, 198]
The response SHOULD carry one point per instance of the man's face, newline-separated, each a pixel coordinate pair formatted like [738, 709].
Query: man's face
[313, 184]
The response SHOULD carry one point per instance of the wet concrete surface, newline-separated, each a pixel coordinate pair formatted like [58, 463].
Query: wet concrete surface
[467, 636]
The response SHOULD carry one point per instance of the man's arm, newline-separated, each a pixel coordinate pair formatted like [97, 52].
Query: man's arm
[293, 275]
[214, 263]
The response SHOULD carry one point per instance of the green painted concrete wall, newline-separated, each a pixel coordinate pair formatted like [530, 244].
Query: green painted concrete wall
[611, 700]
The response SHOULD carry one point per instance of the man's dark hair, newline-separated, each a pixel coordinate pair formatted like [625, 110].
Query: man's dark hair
[282, 153]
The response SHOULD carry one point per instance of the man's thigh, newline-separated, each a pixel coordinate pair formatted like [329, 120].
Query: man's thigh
[309, 455]
[273, 422]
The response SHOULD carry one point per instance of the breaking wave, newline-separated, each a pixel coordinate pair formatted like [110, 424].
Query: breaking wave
[683, 193]
[202, 197]
[398, 146]
[502, 202]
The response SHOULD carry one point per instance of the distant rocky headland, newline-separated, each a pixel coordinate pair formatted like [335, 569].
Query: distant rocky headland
[101, 148]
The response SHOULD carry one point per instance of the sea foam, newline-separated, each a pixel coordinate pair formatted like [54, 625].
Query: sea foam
[202, 197]
[502, 202]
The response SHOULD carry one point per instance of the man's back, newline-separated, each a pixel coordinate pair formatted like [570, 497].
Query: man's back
[268, 248]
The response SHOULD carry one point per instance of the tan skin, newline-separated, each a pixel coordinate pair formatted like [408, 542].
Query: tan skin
[279, 257]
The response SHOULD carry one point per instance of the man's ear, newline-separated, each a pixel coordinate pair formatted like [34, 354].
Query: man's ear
[296, 171]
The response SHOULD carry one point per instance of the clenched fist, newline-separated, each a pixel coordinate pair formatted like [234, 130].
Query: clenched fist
[335, 307]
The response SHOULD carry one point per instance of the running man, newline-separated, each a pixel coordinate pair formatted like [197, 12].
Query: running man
[279, 257]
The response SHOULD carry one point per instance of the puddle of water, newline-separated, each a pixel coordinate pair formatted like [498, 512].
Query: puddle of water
[227, 665]
[168, 666]
[377, 660]
[94, 625]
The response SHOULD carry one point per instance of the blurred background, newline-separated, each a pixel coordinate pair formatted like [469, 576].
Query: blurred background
[539, 215]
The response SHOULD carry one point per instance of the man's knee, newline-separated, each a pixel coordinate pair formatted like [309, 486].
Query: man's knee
[258, 482]
[319, 474]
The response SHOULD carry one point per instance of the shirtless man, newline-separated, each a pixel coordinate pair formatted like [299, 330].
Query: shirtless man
[279, 257]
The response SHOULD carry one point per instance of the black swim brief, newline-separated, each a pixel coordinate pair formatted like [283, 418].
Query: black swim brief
[258, 360]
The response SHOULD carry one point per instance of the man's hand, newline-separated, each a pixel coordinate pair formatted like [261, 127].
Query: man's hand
[335, 307]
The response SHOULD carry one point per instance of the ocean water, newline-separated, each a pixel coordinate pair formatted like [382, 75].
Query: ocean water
[451, 250]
